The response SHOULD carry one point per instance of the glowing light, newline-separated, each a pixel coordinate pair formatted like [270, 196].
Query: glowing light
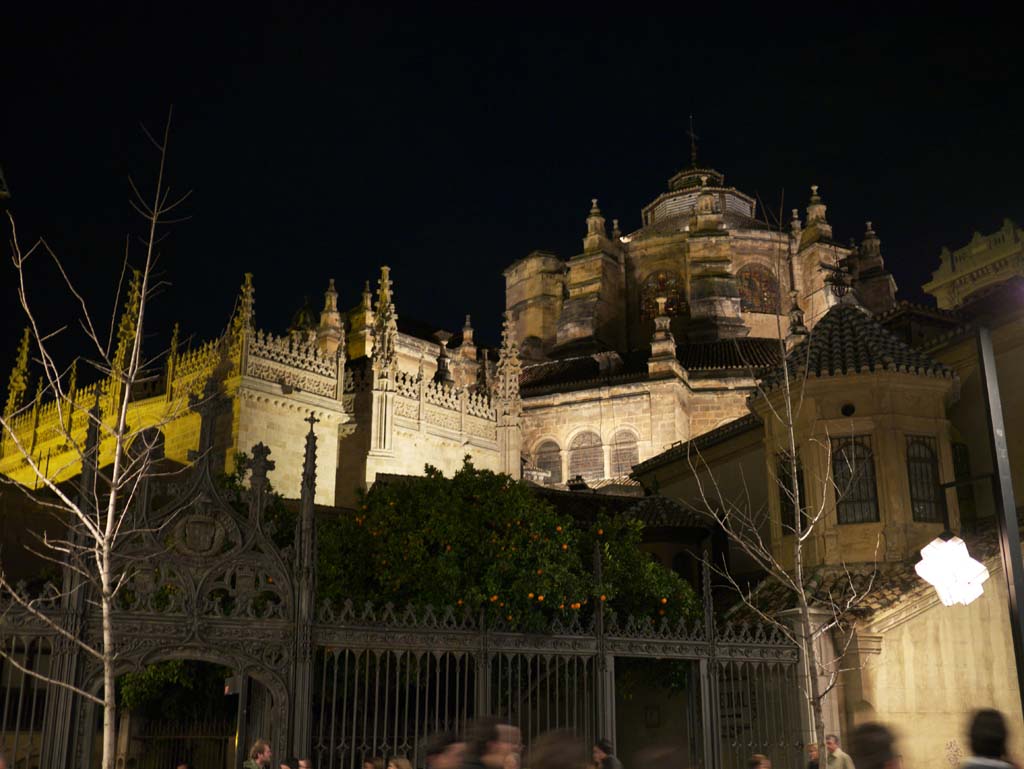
[949, 568]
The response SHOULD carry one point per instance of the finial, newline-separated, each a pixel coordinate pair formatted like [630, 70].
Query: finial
[509, 366]
[311, 420]
[703, 180]
[593, 207]
[869, 230]
[18, 383]
[693, 144]
[467, 324]
[814, 190]
[616, 232]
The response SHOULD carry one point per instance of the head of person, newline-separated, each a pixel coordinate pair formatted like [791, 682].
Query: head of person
[559, 749]
[987, 734]
[182, 765]
[260, 752]
[490, 740]
[399, 763]
[873, 746]
[812, 752]
[443, 751]
[831, 743]
[305, 763]
[759, 761]
[290, 763]
[601, 750]
[373, 763]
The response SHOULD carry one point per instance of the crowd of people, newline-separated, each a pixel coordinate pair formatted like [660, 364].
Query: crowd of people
[491, 743]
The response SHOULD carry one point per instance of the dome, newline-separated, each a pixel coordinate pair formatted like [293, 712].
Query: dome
[686, 186]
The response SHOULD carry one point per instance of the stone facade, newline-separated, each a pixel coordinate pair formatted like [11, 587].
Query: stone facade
[385, 412]
[596, 360]
[987, 260]
[641, 340]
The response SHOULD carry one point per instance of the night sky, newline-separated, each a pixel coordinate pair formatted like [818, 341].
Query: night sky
[324, 143]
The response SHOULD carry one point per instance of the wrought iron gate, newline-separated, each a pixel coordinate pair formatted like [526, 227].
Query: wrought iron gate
[344, 684]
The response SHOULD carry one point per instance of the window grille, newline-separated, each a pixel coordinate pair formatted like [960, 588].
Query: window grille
[549, 457]
[586, 457]
[853, 473]
[927, 498]
[785, 481]
[625, 453]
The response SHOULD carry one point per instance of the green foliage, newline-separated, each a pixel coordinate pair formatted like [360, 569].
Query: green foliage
[178, 689]
[482, 540]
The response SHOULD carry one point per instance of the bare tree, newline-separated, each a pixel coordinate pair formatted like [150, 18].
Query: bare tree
[94, 521]
[744, 522]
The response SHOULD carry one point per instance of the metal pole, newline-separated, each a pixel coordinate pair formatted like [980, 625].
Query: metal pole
[1006, 507]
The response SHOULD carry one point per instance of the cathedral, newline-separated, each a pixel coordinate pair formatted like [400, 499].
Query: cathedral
[608, 357]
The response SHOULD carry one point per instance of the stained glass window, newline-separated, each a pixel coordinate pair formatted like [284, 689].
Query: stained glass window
[625, 453]
[667, 284]
[586, 457]
[759, 289]
[549, 457]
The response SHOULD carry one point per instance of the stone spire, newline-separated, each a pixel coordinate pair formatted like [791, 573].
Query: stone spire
[443, 375]
[797, 329]
[817, 224]
[506, 384]
[596, 232]
[245, 314]
[508, 406]
[18, 382]
[126, 329]
[330, 335]
[468, 347]
[873, 284]
[870, 252]
[385, 326]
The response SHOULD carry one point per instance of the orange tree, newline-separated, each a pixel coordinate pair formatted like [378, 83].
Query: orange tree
[483, 541]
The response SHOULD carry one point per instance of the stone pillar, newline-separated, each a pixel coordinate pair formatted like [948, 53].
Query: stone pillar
[825, 650]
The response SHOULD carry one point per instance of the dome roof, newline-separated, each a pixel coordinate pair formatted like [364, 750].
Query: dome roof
[738, 209]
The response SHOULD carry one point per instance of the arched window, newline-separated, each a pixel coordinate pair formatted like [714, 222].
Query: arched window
[549, 457]
[586, 457]
[927, 499]
[853, 473]
[667, 284]
[759, 289]
[625, 453]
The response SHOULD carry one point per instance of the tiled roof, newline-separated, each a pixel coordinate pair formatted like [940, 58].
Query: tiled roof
[656, 510]
[743, 353]
[582, 371]
[848, 340]
[701, 442]
[588, 371]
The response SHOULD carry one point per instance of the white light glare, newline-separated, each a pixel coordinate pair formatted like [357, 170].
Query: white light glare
[948, 566]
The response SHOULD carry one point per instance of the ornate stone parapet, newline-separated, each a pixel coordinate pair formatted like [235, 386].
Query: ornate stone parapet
[293, 364]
